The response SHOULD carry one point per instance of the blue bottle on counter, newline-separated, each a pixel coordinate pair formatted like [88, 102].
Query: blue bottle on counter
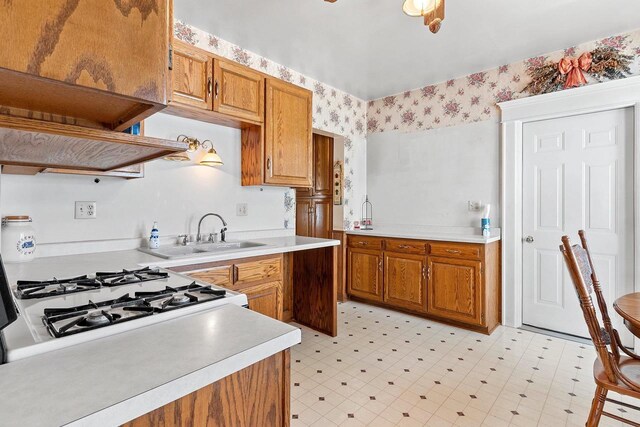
[485, 222]
[154, 239]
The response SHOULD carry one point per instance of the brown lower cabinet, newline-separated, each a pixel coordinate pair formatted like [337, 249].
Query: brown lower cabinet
[260, 279]
[255, 396]
[457, 283]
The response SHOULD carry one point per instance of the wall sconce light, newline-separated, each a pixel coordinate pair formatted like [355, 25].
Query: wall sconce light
[211, 158]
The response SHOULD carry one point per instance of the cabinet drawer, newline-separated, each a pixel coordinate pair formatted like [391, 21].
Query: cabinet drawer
[365, 242]
[406, 246]
[254, 271]
[220, 276]
[456, 250]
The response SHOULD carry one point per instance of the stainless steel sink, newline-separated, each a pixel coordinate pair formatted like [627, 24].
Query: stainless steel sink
[178, 251]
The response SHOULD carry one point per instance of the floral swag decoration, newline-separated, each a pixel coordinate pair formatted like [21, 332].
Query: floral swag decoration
[603, 63]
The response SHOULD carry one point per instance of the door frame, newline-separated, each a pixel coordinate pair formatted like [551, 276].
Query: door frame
[623, 93]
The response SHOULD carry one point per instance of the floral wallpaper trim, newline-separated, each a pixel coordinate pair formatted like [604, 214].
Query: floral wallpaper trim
[334, 111]
[473, 98]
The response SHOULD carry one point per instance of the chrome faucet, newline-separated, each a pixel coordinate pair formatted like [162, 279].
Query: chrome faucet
[222, 232]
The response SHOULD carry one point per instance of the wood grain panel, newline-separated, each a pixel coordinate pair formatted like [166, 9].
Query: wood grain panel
[73, 45]
[238, 91]
[252, 163]
[304, 218]
[342, 264]
[455, 289]
[322, 218]
[315, 278]
[322, 166]
[365, 273]
[287, 287]
[364, 242]
[405, 281]
[406, 246]
[256, 396]
[26, 142]
[493, 285]
[266, 299]
[220, 276]
[191, 76]
[84, 43]
[456, 250]
[253, 271]
[288, 148]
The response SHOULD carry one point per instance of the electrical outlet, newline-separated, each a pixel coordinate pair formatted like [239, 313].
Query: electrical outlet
[86, 210]
[475, 205]
[242, 209]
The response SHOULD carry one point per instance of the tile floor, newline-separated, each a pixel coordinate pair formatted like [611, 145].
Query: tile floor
[387, 368]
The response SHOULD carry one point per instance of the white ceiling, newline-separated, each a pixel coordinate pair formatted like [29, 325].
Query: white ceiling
[369, 48]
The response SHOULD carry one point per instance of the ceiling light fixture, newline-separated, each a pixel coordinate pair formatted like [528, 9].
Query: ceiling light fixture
[211, 158]
[432, 12]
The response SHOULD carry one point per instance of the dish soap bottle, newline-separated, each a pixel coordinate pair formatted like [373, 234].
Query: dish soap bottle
[154, 239]
[485, 222]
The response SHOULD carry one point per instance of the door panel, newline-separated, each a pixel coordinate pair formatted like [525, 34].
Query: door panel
[288, 146]
[304, 226]
[191, 77]
[266, 299]
[577, 174]
[455, 290]
[365, 274]
[323, 218]
[323, 165]
[404, 281]
[238, 91]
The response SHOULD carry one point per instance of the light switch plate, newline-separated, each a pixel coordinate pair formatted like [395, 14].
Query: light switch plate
[475, 205]
[86, 210]
[242, 209]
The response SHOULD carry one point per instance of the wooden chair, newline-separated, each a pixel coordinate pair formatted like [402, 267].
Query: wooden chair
[611, 371]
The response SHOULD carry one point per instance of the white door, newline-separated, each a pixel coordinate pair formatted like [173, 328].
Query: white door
[577, 174]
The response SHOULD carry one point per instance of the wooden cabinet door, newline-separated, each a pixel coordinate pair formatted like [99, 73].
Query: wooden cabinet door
[238, 91]
[114, 46]
[323, 218]
[455, 289]
[304, 223]
[266, 299]
[365, 274]
[322, 165]
[405, 281]
[191, 77]
[288, 148]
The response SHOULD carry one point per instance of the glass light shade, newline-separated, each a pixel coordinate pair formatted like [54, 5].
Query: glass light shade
[211, 159]
[418, 7]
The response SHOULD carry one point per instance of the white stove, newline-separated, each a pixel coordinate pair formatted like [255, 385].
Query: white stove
[58, 313]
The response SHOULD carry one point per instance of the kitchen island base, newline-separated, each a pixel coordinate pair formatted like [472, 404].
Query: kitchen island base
[258, 395]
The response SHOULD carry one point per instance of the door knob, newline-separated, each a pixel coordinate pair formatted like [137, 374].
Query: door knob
[529, 239]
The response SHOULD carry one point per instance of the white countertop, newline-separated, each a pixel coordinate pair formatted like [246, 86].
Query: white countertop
[445, 234]
[74, 265]
[115, 379]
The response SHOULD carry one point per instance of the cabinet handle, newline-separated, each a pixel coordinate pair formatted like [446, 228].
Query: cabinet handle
[217, 89]
[209, 86]
[380, 265]
[424, 271]
[269, 166]
[235, 273]
[429, 273]
[453, 251]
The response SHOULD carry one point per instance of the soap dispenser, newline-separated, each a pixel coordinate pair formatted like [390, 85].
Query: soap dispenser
[154, 239]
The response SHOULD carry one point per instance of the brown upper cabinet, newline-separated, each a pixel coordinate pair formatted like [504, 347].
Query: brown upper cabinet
[238, 91]
[191, 77]
[288, 127]
[101, 64]
[204, 82]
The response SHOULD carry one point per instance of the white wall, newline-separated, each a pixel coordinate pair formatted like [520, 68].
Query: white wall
[427, 178]
[174, 194]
